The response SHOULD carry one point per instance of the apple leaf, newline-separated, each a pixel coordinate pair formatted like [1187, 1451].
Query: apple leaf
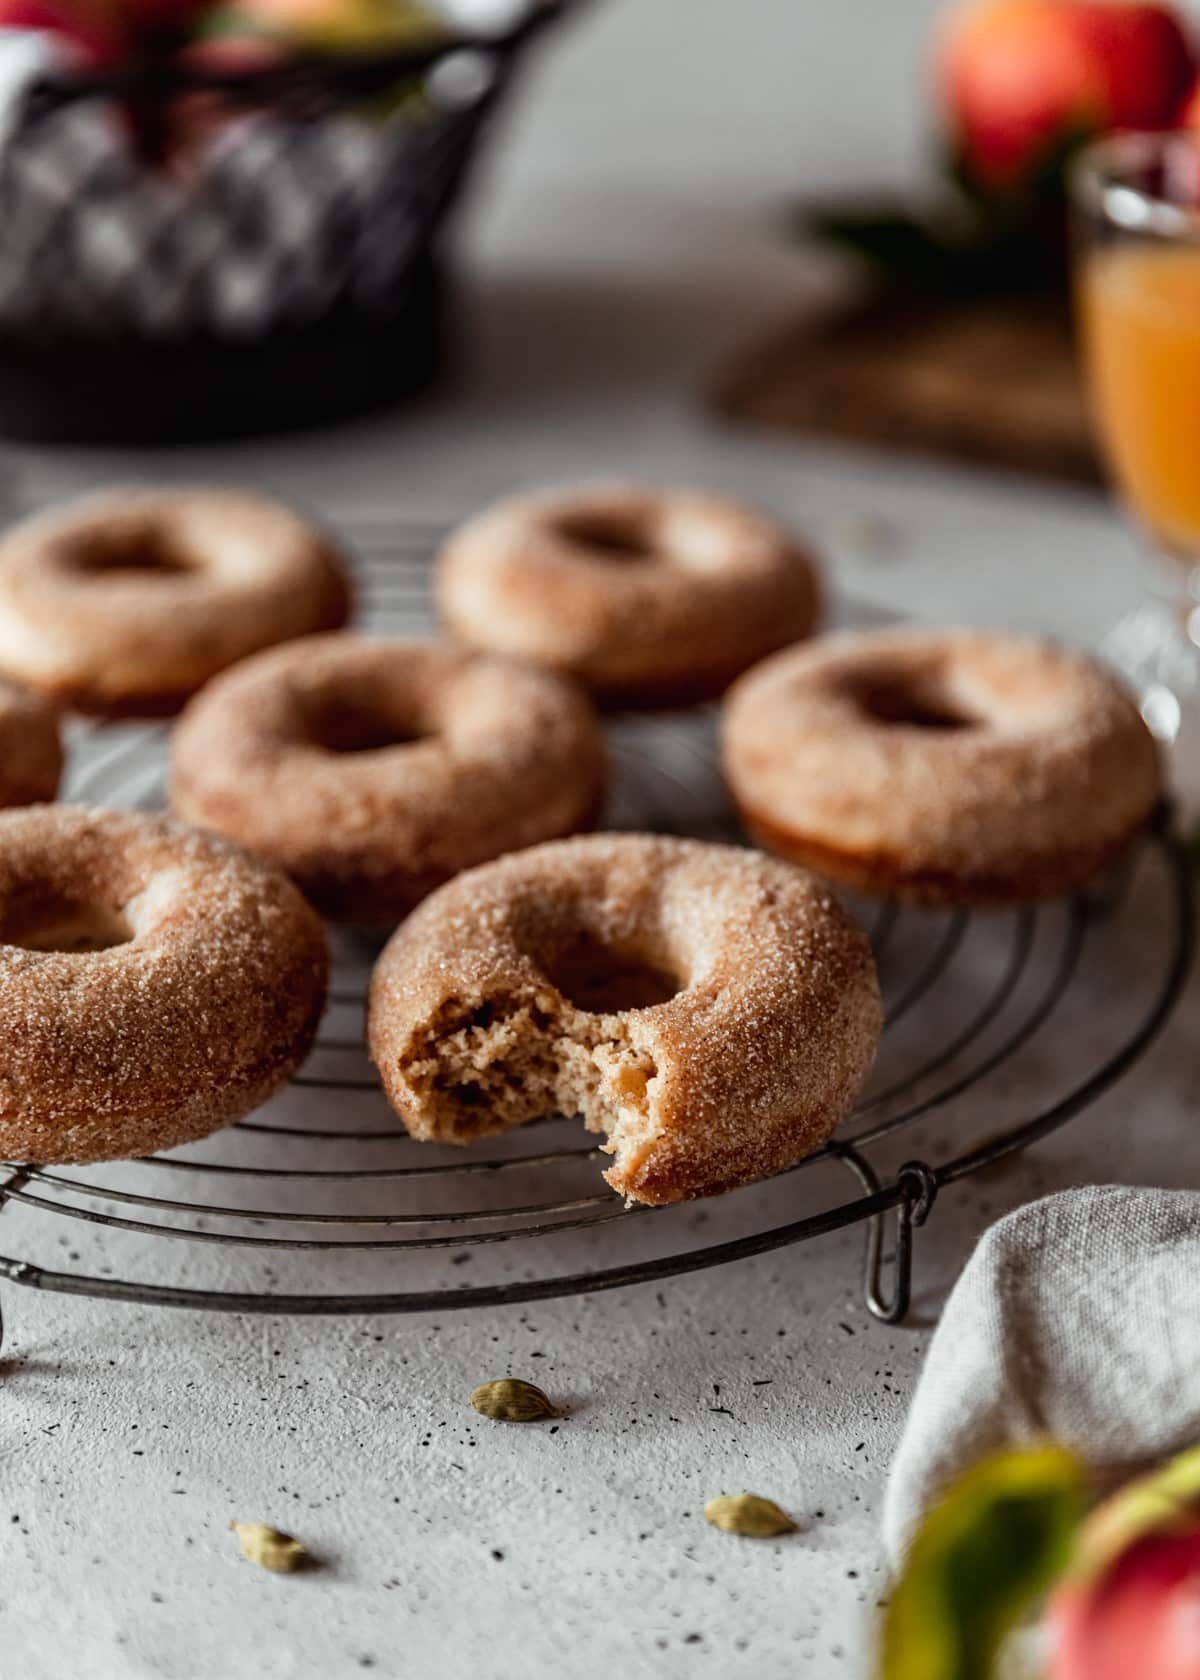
[966, 237]
[943, 249]
[980, 1561]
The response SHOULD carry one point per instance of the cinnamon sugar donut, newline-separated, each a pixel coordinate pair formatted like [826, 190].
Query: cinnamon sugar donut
[373, 770]
[942, 766]
[31, 757]
[710, 1010]
[155, 983]
[647, 597]
[125, 603]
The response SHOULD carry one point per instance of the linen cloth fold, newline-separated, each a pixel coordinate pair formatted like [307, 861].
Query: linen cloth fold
[1077, 1318]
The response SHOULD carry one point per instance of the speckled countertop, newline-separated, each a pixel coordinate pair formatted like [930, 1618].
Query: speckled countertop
[624, 247]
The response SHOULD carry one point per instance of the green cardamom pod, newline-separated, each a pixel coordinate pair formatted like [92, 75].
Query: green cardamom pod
[747, 1513]
[269, 1547]
[509, 1400]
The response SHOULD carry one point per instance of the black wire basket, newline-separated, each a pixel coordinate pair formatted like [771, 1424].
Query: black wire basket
[195, 253]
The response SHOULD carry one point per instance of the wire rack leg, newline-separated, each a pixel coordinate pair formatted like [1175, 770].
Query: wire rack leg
[918, 1186]
[14, 1180]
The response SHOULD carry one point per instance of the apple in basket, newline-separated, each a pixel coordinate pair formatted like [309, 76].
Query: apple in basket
[87, 30]
[173, 19]
[1190, 115]
[325, 25]
[103, 32]
[1021, 81]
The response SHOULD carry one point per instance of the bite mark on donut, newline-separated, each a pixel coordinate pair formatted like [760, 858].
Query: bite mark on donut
[747, 1066]
[501, 1062]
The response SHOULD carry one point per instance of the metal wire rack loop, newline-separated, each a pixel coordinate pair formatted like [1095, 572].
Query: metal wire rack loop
[914, 1188]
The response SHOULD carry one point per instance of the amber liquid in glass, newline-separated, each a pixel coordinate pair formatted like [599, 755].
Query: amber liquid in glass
[1140, 307]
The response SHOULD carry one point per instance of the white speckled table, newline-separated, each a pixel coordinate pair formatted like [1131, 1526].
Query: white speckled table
[625, 245]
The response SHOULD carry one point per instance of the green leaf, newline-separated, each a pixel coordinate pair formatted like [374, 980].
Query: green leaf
[952, 248]
[1042, 179]
[1167, 1501]
[889, 238]
[981, 1559]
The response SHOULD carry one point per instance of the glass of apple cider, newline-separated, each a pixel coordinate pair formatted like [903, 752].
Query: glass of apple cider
[1137, 292]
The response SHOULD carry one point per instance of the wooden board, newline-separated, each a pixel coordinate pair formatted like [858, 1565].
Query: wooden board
[989, 381]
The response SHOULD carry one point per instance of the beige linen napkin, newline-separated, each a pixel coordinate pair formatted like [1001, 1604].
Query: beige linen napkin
[1077, 1317]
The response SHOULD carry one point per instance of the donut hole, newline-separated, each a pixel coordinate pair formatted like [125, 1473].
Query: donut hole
[916, 702]
[609, 535]
[150, 552]
[346, 726]
[603, 979]
[64, 924]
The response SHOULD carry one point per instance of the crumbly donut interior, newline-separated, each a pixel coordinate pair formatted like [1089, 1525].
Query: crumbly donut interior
[568, 1047]
[515, 1059]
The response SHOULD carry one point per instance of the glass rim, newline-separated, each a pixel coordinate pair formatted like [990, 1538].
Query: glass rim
[1096, 184]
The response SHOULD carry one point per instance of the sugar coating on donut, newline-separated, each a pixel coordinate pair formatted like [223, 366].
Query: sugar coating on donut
[155, 983]
[712, 1012]
[646, 596]
[941, 766]
[125, 602]
[373, 770]
[31, 756]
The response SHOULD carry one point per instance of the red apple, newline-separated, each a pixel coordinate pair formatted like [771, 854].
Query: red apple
[1019, 78]
[168, 20]
[1189, 117]
[1128, 1607]
[1139, 1621]
[86, 30]
[196, 119]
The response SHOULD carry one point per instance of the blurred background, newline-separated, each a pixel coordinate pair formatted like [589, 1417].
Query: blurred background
[645, 176]
[813, 255]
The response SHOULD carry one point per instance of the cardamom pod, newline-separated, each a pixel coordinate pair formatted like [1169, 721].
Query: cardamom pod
[747, 1513]
[509, 1400]
[269, 1547]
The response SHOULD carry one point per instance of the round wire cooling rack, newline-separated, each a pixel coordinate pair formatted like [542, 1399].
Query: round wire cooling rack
[320, 1203]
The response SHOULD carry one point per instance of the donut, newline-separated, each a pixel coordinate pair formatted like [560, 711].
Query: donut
[372, 771]
[125, 603]
[712, 1011]
[941, 766]
[31, 756]
[155, 983]
[646, 597]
